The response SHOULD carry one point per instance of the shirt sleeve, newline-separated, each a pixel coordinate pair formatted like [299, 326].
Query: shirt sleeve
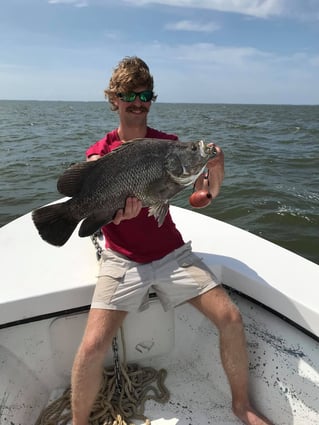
[99, 148]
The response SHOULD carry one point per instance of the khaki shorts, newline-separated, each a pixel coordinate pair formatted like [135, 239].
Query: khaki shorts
[125, 285]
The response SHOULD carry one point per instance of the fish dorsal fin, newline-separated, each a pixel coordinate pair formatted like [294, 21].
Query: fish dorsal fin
[71, 181]
[159, 211]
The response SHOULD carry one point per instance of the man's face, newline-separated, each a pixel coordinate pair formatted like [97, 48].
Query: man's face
[137, 109]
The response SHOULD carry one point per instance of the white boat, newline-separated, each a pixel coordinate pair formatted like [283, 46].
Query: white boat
[45, 296]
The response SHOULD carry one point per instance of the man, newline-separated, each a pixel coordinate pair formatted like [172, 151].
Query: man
[134, 239]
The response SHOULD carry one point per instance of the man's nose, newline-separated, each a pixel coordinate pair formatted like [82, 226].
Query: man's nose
[137, 101]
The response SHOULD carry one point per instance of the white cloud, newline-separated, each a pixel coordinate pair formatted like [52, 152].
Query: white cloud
[203, 55]
[302, 9]
[259, 8]
[205, 72]
[192, 26]
[76, 3]
[299, 9]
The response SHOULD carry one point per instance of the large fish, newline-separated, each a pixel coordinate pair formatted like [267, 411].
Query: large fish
[152, 170]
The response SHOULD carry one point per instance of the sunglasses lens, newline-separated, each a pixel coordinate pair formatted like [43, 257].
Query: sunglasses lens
[146, 96]
[128, 97]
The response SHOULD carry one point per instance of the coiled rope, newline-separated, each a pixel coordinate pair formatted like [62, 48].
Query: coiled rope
[114, 406]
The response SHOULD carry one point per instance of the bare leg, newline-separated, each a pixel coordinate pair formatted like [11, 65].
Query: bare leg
[217, 306]
[88, 365]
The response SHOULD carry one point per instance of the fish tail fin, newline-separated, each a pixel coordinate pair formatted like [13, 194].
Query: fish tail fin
[54, 223]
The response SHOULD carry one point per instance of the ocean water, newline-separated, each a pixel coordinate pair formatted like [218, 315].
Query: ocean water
[271, 187]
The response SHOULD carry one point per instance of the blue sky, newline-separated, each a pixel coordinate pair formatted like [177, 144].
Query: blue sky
[228, 51]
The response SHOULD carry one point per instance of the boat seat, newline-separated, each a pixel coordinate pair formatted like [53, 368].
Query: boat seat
[146, 334]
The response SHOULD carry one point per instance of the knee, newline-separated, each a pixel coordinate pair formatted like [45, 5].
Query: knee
[93, 348]
[230, 316]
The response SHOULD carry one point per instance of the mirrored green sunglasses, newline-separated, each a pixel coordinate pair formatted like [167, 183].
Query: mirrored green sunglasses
[145, 96]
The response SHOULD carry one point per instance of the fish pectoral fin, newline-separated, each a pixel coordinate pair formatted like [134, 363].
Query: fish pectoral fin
[159, 211]
[93, 223]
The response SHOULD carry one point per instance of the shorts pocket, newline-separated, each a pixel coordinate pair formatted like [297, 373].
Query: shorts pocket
[196, 269]
[187, 259]
[113, 266]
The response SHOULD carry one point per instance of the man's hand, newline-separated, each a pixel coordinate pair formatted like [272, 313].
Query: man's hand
[132, 209]
[216, 172]
[215, 167]
[93, 157]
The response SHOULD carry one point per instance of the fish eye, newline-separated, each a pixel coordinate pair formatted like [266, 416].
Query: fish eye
[194, 147]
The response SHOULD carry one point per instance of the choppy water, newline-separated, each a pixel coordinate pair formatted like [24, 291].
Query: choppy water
[271, 186]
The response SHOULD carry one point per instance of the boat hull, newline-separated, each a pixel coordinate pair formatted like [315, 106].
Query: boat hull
[35, 364]
[46, 297]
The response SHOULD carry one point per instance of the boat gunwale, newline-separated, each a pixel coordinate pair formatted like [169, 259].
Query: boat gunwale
[86, 308]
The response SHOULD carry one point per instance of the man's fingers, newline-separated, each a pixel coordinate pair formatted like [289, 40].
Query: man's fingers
[132, 208]
[118, 217]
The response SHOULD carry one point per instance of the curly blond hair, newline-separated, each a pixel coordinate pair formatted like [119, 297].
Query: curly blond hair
[131, 72]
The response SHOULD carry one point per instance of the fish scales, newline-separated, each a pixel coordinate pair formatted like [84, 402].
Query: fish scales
[132, 180]
[130, 177]
[152, 170]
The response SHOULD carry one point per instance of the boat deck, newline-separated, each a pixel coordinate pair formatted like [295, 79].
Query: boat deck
[199, 392]
[38, 344]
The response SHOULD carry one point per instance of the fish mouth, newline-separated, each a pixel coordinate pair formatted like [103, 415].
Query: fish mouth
[207, 149]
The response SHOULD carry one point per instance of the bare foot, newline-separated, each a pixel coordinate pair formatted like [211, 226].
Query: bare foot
[249, 416]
